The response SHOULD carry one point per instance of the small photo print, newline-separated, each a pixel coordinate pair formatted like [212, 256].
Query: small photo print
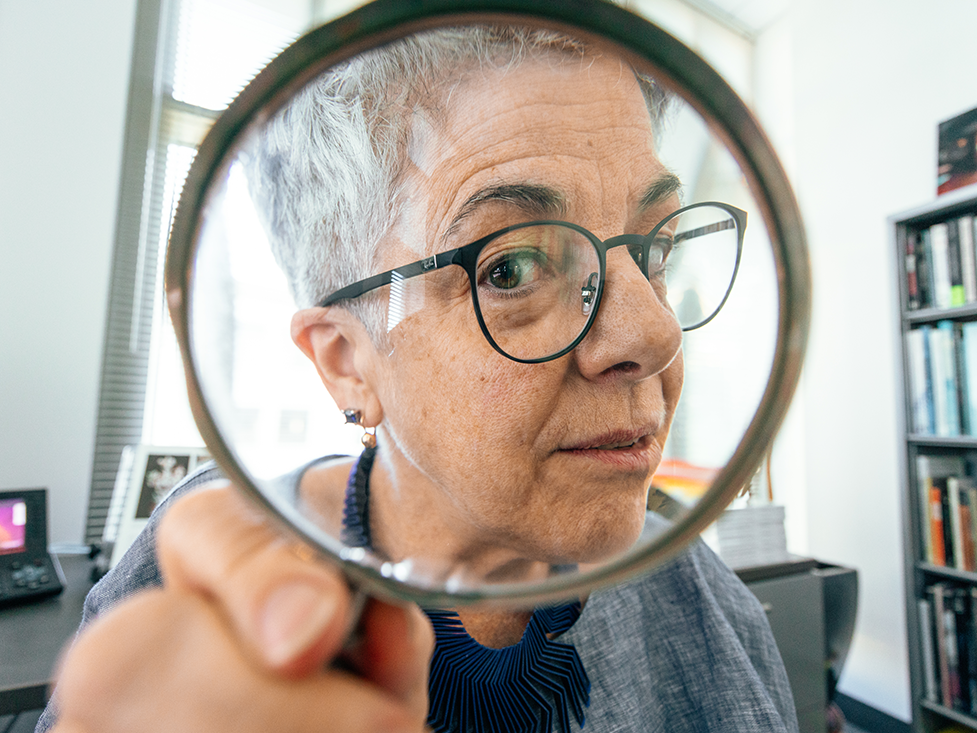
[163, 472]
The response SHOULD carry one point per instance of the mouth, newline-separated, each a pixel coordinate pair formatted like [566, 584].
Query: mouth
[618, 445]
[615, 440]
[628, 450]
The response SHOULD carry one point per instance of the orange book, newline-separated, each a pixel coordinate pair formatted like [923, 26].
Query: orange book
[937, 550]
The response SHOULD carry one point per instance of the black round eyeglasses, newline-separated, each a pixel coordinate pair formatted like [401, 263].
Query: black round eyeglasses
[537, 286]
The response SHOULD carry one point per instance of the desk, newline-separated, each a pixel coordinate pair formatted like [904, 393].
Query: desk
[32, 636]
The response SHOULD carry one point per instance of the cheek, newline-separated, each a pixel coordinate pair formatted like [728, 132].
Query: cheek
[445, 388]
[468, 417]
[442, 372]
[513, 399]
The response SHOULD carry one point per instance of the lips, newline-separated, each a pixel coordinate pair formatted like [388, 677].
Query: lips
[620, 440]
[630, 452]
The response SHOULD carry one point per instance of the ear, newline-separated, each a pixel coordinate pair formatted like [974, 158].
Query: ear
[343, 353]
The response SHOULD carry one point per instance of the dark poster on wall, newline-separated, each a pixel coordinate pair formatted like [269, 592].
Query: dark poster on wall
[957, 165]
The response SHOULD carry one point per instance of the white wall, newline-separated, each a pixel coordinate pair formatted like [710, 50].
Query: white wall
[64, 75]
[851, 92]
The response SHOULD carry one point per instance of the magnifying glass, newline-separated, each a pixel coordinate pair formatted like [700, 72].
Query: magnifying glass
[537, 257]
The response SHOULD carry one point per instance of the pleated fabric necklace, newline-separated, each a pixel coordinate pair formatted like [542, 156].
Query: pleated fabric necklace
[525, 688]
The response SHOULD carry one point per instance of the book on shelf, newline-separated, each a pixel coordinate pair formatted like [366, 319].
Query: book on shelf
[970, 639]
[941, 264]
[949, 642]
[947, 515]
[931, 688]
[924, 268]
[945, 390]
[907, 245]
[942, 378]
[954, 262]
[963, 233]
[920, 381]
[940, 254]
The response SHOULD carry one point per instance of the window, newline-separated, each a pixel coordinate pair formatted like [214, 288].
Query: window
[191, 57]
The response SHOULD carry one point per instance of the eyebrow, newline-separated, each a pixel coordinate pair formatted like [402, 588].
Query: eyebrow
[663, 187]
[533, 199]
[541, 201]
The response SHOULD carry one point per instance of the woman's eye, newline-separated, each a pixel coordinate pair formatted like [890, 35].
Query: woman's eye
[513, 270]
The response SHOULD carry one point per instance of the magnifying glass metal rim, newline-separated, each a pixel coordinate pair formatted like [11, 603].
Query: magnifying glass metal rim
[677, 66]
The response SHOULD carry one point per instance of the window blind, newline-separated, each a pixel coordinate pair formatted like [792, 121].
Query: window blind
[190, 58]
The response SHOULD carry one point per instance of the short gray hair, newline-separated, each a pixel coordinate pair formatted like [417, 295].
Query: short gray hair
[326, 171]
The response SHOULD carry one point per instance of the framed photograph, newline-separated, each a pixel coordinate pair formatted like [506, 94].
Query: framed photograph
[147, 474]
[957, 166]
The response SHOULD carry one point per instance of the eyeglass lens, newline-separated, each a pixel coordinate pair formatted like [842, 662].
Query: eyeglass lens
[536, 286]
[702, 264]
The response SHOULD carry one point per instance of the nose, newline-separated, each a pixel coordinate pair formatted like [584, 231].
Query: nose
[635, 334]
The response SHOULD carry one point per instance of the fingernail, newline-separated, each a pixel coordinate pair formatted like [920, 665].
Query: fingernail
[294, 616]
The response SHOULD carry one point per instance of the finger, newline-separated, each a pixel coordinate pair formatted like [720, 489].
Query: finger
[288, 608]
[397, 646]
[166, 661]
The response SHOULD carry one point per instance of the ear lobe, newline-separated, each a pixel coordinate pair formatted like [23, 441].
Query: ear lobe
[339, 346]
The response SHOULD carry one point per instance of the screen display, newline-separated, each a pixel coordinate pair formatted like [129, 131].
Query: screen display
[13, 526]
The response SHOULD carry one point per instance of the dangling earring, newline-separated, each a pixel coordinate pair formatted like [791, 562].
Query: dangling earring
[355, 417]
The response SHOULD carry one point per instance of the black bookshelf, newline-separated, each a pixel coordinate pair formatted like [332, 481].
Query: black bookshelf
[932, 315]
[922, 574]
[949, 714]
[961, 442]
[964, 576]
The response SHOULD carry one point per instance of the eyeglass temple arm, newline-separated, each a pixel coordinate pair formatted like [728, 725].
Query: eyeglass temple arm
[434, 262]
[719, 226]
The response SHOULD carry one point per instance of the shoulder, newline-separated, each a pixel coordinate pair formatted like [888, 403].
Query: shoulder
[692, 642]
[694, 586]
[139, 567]
[696, 581]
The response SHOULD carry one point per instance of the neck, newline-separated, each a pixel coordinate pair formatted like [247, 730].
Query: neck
[495, 629]
[410, 517]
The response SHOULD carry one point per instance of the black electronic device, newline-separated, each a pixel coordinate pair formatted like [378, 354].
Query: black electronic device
[27, 570]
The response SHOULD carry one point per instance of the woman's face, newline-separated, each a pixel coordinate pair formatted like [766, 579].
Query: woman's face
[546, 461]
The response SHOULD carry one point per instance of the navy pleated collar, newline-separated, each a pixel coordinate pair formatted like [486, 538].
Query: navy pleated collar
[524, 688]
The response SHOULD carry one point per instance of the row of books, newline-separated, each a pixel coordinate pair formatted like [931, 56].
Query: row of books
[941, 264]
[943, 378]
[948, 511]
[948, 635]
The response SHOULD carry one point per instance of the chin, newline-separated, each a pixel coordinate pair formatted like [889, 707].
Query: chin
[597, 536]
